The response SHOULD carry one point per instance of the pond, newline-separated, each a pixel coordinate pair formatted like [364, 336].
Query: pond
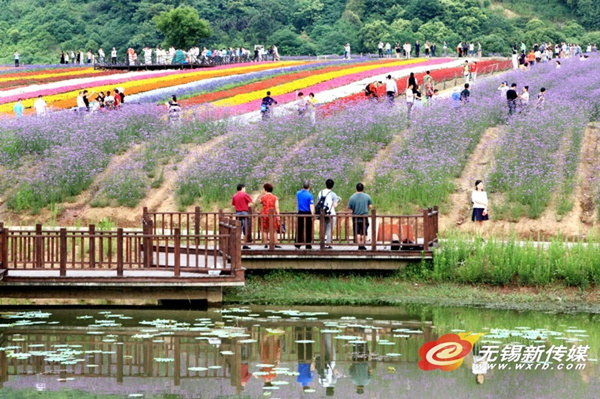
[304, 352]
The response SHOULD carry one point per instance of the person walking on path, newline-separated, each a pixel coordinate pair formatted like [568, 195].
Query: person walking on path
[17, 58]
[306, 206]
[269, 201]
[360, 203]
[265, 106]
[380, 49]
[466, 71]
[474, 71]
[330, 202]
[511, 99]
[241, 202]
[480, 203]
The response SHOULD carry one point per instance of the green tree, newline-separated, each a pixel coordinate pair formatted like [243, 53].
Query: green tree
[182, 27]
[373, 32]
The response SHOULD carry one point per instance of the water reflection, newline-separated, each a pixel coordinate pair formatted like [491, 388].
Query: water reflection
[258, 352]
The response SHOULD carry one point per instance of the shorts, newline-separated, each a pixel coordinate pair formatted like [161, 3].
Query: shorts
[478, 215]
[360, 225]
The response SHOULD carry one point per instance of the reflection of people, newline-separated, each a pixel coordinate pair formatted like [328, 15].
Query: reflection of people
[326, 365]
[360, 372]
[270, 353]
[306, 366]
[480, 364]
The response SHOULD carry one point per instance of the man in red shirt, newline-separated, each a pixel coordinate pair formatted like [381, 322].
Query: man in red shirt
[240, 201]
[474, 71]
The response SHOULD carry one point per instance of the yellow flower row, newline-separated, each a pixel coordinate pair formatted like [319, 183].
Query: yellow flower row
[67, 99]
[306, 82]
[50, 75]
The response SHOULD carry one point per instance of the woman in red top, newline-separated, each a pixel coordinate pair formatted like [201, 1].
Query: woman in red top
[269, 201]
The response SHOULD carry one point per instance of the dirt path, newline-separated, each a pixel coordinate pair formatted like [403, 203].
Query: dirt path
[478, 165]
[587, 190]
[371, 166]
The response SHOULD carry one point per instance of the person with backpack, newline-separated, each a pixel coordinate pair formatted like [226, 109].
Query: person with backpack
[265, 106]
[306, 206]
[174, 110]
[327, 200]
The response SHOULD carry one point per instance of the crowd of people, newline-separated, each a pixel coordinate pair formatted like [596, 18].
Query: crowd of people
[327, 201]
[524, 58]
[427, 49]
[161, 56]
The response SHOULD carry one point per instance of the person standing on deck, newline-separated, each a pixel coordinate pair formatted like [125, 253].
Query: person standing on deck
[113, 56]
[101, 55]
[360, 203]
[306, 206]
[241, 201]
[331, 200]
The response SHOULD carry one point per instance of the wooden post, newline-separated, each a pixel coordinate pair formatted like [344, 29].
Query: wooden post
[177, 250]
[373, 230]
[272, 231]
[3, 246]
[426, 229]
[197, 225]
[237, 265]
[92, 246]
[322, 230]
[39, 246]
[145, 214]
[63, 252]
[148, 243]
[435, 223]
[177, 362]
[248, 232]
[221, 231]
[120, 252]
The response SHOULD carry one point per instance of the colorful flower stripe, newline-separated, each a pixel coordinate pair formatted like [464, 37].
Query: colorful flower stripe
[26, 82]
[66, 98]
[310, 81]
[45, 73]
[331, 84]
[437, 76]
[262, 85]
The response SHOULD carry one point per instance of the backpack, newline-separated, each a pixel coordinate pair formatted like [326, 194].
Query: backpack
[321, 205]
[263, 107]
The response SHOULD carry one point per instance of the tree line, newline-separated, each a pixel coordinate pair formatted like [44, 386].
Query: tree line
[40, 29]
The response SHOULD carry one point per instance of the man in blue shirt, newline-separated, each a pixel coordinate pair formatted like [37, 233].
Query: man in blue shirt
[18, 108]
[306, 206]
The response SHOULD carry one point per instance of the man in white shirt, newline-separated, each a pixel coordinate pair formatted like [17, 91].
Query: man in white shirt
[331, 202]
[391, 89]
[113, 56]
[147, 55]
[101, 55]
[40, 106]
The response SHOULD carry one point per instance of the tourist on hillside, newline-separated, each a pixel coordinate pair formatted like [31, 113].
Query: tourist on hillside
[80, 103]
[479, 50]
[330, 202]
[265, 106]
[113, 56]
[391, 89]
[503, 88]
[524, 98]
[471, 49]
[466, 71]
[410, 99]
[398, 51]
[417, 49]
[19, 108]
[412, 80]
[388, 50]
[241, 202]
[427, 47]
[269, 201]
[531, 58]
[147, 55]
[101, 55]
[306, 206]
[380, 49]
[347, 51]
[541, 99]
[17, 58]
[515, 59]
[360, 203]
[109, 101]
[480, 203]
[459, 49]
[66, 57]
[465, 48]
[371, 90]
[302, 104]
[429, 90]
[89, 56]
[445, 49]
[62, 57]
[275, 53]
[40, 106]
[72, 56]
[312, 108]
[174, 110]
[511, 98]
[474, 71]
[81, 57]
[433, 48]
[465, 94]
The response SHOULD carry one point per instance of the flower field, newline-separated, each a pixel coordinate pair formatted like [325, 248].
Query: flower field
[122, 156]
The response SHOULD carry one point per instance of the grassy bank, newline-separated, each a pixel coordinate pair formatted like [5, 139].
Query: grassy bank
[290, 288]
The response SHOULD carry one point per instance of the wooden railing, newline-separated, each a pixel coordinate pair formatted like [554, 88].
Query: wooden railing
[91, 249]
[384, 232]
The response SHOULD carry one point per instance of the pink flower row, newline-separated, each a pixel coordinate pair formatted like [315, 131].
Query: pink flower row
[331, 84]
